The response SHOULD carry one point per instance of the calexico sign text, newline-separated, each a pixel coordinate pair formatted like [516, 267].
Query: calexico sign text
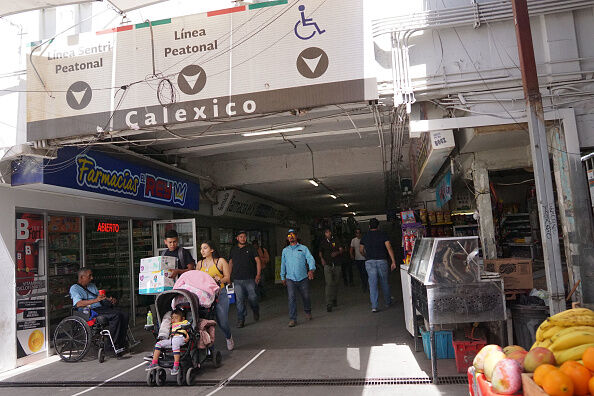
[260, 58]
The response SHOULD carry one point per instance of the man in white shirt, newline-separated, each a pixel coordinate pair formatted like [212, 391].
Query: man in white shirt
[359, 259]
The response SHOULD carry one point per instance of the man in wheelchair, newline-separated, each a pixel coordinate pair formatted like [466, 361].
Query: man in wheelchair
[85, 294]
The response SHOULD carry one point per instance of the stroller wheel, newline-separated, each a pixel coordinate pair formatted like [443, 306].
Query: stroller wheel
[160, 377]
[190, 377]
[101, 355]
[218, 359]
[150, 377]
[180, 377]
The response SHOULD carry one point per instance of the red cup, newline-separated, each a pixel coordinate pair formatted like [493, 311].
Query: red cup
[102, 292]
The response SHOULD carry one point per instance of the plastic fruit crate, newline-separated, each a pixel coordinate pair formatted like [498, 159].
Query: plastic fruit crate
[443, 344]
[465, 351]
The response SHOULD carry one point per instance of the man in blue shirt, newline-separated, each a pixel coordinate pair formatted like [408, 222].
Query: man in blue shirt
[85, 294]
[297, 269]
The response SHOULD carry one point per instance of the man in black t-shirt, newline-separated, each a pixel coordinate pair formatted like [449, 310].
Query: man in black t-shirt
[185, 261]
[245, 273]
[329, 251]
[375, 246]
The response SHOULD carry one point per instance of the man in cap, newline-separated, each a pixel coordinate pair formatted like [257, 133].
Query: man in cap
[297, 269]
[245, 273]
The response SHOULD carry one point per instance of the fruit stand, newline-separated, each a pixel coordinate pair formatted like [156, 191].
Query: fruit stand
[447, 287]
[560, 363]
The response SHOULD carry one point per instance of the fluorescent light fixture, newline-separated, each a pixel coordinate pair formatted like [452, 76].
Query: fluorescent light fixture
[272, 131]
[333, 196]
[346, 205]
[354, 213]
[314, 182]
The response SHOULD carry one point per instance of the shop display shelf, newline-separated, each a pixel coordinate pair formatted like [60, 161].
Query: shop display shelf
[466, 226]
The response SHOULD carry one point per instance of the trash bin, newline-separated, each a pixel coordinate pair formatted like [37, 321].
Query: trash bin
[526, 319]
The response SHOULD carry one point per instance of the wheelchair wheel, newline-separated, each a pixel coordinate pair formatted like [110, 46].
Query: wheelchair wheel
[190, 376]
[180, 377]
[218, 359]
[101, 355]
[72, 339]
[160, 377]
[150, 377]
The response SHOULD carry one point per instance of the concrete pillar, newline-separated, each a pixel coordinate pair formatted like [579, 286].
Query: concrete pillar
[480, 176]
[574, 209]
[8, 357]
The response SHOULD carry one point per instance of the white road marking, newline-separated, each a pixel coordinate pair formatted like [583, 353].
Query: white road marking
[110, 379]
[313, 63]
[236, 373]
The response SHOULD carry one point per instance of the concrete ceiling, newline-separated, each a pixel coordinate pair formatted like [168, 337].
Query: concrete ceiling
[332, 135]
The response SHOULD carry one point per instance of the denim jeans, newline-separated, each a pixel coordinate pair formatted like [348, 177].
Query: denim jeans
[362, 274]
[378, 270]
[245, 289]
[301, 287]
[222, 312]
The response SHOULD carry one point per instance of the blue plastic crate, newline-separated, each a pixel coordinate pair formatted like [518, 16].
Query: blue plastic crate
[443, 344]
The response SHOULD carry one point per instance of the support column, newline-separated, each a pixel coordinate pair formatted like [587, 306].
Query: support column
[574, 209]
[480, 176]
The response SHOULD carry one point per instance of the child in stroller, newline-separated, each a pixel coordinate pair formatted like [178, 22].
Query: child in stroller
[178, 337]
[194, 294]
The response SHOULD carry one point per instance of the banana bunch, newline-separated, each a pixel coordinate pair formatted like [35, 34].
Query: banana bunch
[567, 334]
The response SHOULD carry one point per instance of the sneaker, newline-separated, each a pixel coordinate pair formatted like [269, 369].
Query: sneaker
[329, 308]
[152, 366]
[292, 323]
[374, 310]
[230, 344]
[240, 324]
[256, 316]
[175, 370]
[308, 316]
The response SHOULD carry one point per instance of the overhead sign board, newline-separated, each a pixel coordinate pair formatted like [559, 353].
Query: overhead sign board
[234, 203]
[101, 173]
[252, 59]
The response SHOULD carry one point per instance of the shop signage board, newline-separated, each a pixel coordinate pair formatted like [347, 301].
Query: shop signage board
[234, 203]
[252, 59]
[443, 191]
[591, 183]
[101, 173]
[31, 290]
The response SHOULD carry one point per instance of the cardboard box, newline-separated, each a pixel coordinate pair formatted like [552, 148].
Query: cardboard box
[516, 272]
[154, 282]
[157, 263]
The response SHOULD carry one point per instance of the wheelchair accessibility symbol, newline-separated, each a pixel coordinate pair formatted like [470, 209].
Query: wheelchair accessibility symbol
[305, 22]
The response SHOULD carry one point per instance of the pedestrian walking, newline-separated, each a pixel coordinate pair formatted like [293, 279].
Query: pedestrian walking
[245, 272]
[218, 269]
[297, 269]
[264, 260]
[359, 259]
[328, 253]
[376, 247]
[346, 264]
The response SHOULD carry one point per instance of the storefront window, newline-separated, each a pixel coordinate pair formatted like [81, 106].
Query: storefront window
[226, 241]
[107, 253]
[142, 247]
[64, 261]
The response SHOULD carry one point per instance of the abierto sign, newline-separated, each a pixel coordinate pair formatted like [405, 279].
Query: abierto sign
[253, 59]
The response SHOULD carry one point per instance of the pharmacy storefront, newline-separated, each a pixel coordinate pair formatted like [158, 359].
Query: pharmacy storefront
[96, 210]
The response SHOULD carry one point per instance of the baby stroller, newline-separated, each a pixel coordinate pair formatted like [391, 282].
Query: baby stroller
[191, 356]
